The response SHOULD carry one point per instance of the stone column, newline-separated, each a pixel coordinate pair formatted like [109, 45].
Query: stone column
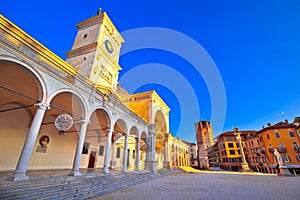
[125, 154]
[80, 143]
[107, 151]
[137, 157]
[166, 163]
[150, 163]
[20, 172]
[245, 166]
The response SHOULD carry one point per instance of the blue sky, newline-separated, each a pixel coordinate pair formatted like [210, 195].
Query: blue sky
[255, 46]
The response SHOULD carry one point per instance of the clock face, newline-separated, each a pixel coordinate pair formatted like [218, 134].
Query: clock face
[108, 46]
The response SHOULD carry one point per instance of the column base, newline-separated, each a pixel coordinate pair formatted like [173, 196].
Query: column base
[283, 171]
[167, 164]
[151, 166]
[106, 170]
[74, 173]
[19, 177]
[245, 168]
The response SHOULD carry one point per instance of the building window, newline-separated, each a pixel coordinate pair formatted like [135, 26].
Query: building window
[281, 146]
[85, 149]
[231, 152]
[230, 145]
[192, 156]
[298, 157]
[268, 136]
[277, 135]
[296, 147]
[291, 134]
[101, 150]
[229, 138]
[118, 152]
[133, 154]
[237, 145]
[85, 35]
[191, 149]
[238, 152]
[285, 158]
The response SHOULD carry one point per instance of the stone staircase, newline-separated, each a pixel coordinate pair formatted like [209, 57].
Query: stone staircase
[82, 187]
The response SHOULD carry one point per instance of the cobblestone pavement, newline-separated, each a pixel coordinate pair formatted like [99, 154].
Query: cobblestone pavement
[189, 186]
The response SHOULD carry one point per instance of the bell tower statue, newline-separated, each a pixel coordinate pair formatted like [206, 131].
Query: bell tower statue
[96, 49]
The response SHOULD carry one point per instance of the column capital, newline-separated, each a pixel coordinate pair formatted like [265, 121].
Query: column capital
[152, 129]
[44, 106]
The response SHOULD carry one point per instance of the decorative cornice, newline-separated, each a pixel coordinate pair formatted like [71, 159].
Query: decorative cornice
[82, 50]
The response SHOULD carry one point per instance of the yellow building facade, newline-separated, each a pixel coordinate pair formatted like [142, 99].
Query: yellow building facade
[58, 114]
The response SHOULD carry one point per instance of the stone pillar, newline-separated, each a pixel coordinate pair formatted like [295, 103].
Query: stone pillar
[107, 151]
[150, 163]
[137, 157]
[80, 143]
[245, 166]
[20, 172]
[125, 154]
[166, 163]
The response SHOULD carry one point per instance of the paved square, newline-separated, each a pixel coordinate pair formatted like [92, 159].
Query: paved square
[213, 186]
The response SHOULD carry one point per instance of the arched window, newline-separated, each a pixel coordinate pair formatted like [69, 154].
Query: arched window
[268, 136]
[291, 134]
[277, 135]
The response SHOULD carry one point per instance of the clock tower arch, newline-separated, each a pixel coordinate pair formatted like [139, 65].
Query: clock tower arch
[96, 50]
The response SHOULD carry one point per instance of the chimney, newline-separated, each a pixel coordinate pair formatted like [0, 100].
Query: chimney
[286, 121]
[269, 124]
[263, 127]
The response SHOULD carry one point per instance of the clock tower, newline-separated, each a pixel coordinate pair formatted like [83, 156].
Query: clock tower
[96, 49]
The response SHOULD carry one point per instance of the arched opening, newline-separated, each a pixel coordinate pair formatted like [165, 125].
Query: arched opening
[143, 147]
[20, 90]
[161, 129]
[60, 150]
[95, 140]
[132, 148]
[173, 155]
[119, 132]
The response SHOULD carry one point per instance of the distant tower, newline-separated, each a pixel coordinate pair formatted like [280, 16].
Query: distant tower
[96, 49]
[205, 139]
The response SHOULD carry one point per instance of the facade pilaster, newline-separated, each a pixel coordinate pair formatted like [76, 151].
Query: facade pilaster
[166, 163]
[125, 154]
[20, 172]
[80, 143]
[107, 151]
[137, 158]
[150, 158]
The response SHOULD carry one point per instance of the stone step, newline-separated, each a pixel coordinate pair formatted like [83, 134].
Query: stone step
[58, 187]
[81, 187]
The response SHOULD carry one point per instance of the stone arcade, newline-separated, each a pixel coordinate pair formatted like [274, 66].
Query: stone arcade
[108, 132]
